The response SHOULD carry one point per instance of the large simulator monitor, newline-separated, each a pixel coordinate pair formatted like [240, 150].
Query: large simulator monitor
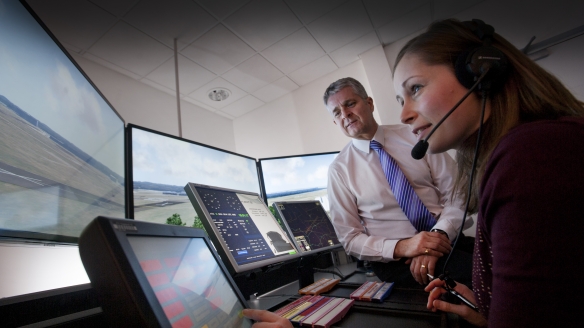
[160, 165]
[61, 142]
[242, 228]
[311, 228]
[296, 178]
[154, 275]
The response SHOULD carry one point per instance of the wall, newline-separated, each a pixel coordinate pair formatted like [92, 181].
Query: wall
[143, 105]
[297, 123]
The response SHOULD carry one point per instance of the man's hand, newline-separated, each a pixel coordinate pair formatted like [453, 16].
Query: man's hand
[423, 243]
[421, 265]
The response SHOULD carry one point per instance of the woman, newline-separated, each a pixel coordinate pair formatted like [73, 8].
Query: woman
[529, 176]
[529, 187]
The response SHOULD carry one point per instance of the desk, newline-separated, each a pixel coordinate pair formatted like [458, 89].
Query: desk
[404, 307]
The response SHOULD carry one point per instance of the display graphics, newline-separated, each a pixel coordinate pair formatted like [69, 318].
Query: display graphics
[309, 225]
[245, 225]
[297, 178]
[188, 283]
[61, 143]
[162, 165]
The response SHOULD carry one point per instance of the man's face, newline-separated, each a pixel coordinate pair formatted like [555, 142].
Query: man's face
[353, 114]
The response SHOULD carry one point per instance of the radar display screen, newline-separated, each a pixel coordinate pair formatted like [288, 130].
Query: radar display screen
[309, 224]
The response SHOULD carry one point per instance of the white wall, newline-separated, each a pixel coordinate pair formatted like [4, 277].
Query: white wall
[297, 123]
[143, 105]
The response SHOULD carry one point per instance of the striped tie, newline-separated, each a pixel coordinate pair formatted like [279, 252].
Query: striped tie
[407, 199]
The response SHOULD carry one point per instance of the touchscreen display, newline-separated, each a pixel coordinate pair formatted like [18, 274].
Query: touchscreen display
[188, 282]
[246, 225]
[309, 224]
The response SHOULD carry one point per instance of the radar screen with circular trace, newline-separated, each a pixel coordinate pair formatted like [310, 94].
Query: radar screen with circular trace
[309, 224]
[242, 224]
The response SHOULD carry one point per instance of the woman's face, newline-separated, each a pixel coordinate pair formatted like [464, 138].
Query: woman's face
[426, 93]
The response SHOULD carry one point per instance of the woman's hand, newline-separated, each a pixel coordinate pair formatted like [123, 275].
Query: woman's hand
[436, 289]
[266, 319]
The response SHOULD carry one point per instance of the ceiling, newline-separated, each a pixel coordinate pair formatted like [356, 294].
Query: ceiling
[258, 50]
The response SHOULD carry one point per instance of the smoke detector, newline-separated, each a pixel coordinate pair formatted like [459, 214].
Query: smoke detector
[219, 94]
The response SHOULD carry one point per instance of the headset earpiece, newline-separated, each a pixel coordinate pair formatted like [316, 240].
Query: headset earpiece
[471, 64]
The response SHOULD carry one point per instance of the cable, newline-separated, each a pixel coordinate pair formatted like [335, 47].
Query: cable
[330, 271]
[470, 183]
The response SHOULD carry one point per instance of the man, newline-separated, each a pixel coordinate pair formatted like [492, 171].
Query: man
[368, 219]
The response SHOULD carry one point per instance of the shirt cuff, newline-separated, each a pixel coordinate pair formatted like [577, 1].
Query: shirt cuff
[389, 249]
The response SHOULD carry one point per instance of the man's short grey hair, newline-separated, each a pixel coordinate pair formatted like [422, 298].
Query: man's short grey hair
[340, 84]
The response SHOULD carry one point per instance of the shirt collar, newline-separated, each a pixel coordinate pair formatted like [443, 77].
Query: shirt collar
[363, 145]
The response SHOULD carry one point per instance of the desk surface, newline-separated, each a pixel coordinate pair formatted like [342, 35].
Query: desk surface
[404, 308]
[283, 293]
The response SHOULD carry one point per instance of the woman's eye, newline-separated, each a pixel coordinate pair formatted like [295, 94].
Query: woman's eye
[416, 88]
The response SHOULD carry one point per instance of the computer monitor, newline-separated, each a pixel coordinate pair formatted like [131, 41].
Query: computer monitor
[296, 178]
[242, 228]
[310, 226]
[61, 141]
[159, 166]
[156, 275]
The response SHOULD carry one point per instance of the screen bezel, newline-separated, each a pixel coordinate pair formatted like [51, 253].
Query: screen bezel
[23, 235]
[261, 172]
[326, 249]
[130, 164]
[215, 235]
[130, 266]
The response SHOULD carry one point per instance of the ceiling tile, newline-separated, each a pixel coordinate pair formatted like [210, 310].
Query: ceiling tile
[406, 25]
[294, 51]
[447, 8]
[276, 89]
[220, 8]
[243, 106]
[383, 12]
[253, 74]
[115, 7]
[78, 23]
[158, 86]
[170, 19]
[263, 22]
[225, 115]
[341, 26]
[199, 104]
[111, 66]
[218, 50]
[202, 94]
[309, 10]
[191, 76]
[313, 71]
[131, 49]
[351, 52]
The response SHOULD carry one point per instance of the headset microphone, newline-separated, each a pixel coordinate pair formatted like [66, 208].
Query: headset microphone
[470, 68]
[419, 150]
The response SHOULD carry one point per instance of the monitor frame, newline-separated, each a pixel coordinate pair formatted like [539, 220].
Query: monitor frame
[40, 237]
[221, 247]
[322, 250]
[130, 164]
[261, 172]
[126, 296]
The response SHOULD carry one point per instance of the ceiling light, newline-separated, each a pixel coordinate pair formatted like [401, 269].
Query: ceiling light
[219, 94]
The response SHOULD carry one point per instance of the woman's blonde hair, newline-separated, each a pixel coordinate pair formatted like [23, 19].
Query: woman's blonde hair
[529, 93]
